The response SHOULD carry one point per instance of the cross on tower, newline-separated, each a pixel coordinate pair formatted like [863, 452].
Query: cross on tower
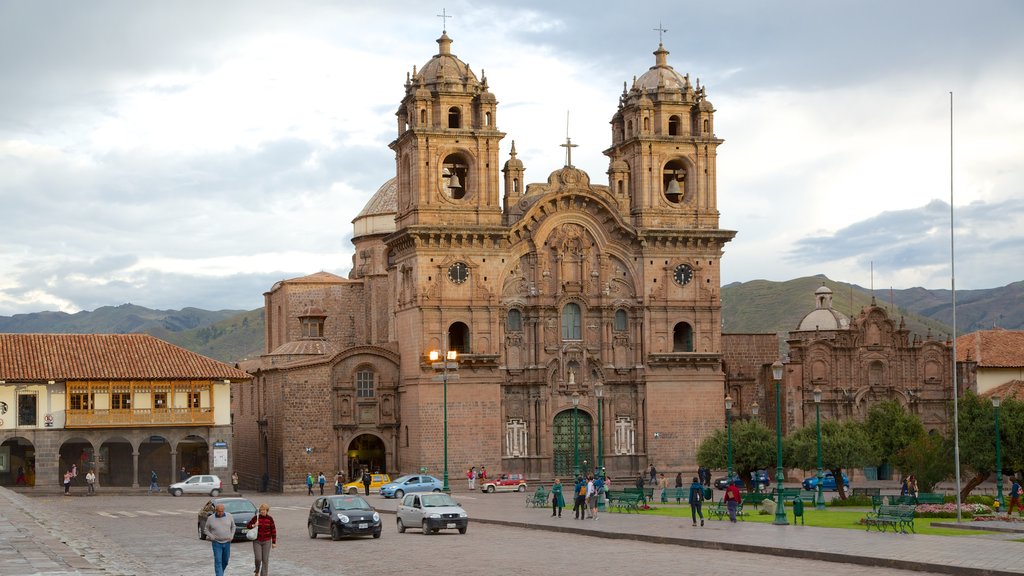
[444, 18]
[660, 31]
[568, 142]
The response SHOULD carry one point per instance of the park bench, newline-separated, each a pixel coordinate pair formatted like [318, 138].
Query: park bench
[867, 491]
[755, 498]
[930, 498]
[720, 510]
[900, 517]
[877, 501]
[626, 500]
[646, 494]
[790, 494]
[539, 499]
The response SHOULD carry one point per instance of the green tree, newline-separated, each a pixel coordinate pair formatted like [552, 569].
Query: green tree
[977, 440]
[929, 458]
[1011, 432]
[844, 445]
[753, 448]
[892, 429]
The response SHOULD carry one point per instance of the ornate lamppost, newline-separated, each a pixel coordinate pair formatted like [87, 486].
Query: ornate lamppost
[449, 361]
[999, 457]
[780, 506]
[728, 435]
[599, 392]
[819, 502]
[576, 432]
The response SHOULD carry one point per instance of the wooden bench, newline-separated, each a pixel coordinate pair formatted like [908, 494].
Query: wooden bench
[900, 517]
[539, 499]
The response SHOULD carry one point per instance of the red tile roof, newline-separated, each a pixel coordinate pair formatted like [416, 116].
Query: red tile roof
[996, 348]
[1012, 389]
[104, 357]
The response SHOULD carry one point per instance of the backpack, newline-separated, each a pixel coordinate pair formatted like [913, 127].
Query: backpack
[583, 490]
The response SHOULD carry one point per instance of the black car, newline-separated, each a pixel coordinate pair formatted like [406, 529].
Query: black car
[241, 509]
[761, 476]
[343, 515]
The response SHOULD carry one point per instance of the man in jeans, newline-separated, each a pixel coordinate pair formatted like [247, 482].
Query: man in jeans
[220, 529]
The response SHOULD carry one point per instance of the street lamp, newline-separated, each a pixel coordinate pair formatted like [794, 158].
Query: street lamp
[576, 432]
[999, 459]
[450, 358]
[780, 506]
[820, 500]
[599, 392]
[728, 428]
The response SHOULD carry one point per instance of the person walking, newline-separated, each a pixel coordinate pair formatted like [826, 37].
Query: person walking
[911, 486]
[1015, 497]
[367, 479]
[471, 477]
[695, 500]
[220, 529]
[153, 486]
[679, 486]
[309, 484]
[663, 484]
[182, 475]
[732, 500]
[339, 481]
[654, 475]
[321, 480]
[266, 538]
[591, 499]
[557, 499]
[67, 483]
[234, 481]
[579, 506]
[90, 481]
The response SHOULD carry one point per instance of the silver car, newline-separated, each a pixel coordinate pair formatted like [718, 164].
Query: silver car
[431, 512]
[201, 484]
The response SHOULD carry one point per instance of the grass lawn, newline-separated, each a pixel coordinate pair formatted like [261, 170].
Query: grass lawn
[828, 518]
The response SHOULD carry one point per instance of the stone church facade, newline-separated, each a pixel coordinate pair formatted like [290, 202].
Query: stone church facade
[550, 293]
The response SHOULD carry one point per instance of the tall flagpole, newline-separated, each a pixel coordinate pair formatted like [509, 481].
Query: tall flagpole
[952, 276]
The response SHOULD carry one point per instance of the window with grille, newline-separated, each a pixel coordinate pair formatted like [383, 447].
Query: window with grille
[625, 435]
[193, 400]
[364, 384]
[571, 322]
[515, 438]
[620, 321]
[81, 401]
[121, 401]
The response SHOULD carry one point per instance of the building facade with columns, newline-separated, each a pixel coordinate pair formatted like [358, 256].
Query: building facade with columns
[586, 317]
[123, 405]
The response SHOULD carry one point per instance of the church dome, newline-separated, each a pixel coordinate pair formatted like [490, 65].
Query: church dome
[445, 71]
[662, 75]
[378, 216]
[824, 317]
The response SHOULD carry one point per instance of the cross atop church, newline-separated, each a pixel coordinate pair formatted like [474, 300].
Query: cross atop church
[660, 30]
[444, 18]
[568, 143]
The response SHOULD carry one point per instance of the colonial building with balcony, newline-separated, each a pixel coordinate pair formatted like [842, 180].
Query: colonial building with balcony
[125, 405]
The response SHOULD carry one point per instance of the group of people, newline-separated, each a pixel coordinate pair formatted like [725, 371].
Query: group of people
[909, 487]
[586, 494]
[220, 529]
[472, 475]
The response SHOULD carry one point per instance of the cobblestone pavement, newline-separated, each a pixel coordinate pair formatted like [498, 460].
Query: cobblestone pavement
[142, 535]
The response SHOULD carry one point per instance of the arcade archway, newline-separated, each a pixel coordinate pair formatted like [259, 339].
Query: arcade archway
[75, 454]
[20, 469]
[193, 455]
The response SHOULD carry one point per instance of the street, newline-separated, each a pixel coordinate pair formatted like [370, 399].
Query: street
[158, 534]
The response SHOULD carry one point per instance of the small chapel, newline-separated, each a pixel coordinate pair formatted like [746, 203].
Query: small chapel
[577, 323]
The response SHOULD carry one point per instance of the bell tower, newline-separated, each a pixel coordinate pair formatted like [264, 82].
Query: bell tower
[447, 146]
[663, 132]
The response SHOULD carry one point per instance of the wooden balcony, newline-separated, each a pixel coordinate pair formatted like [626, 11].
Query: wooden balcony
[138, 417]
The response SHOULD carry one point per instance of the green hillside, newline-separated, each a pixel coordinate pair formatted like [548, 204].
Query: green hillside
[238, 337]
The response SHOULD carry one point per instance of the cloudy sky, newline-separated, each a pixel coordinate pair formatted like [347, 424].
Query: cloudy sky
[192, 153]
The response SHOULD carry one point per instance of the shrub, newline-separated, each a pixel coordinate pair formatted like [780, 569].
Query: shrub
[861, 501]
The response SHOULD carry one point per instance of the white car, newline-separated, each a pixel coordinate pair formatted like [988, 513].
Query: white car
[431, 512]
[201, 484]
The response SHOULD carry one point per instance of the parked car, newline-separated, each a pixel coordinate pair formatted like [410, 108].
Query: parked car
[343, 515]
[241, 509]
[411, 483]
[828, 482]
[504, 483]
[356, 486]
[761, 476]
[201, 484]
[431, 512]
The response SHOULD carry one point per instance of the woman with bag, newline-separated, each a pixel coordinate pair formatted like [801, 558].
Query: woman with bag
[557, 500]
[265, 539]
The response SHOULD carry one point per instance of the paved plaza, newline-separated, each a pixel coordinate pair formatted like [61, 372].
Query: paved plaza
[122, 534]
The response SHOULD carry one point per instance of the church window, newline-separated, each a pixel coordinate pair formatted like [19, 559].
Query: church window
[458, 338]
[516, 437]
[515, 185]
[423, 117]
[515, 320]
[454, 176]
[673, 126]
[571, 322]
[707, 126]
[364, 384]
[312, 326]
[625, 435]
[629, 128]
[620, 321]
[674, 181]
[487, 119]
[682, 338]
[454, 117]
[647, 124]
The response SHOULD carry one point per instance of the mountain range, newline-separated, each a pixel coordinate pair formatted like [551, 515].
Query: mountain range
[756, 306]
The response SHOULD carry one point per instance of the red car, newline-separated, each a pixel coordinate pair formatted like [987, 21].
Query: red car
[504, 483]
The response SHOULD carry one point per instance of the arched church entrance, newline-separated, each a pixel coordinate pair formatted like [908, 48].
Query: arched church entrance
[570, 433]
[365, 451]
[20, 454]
